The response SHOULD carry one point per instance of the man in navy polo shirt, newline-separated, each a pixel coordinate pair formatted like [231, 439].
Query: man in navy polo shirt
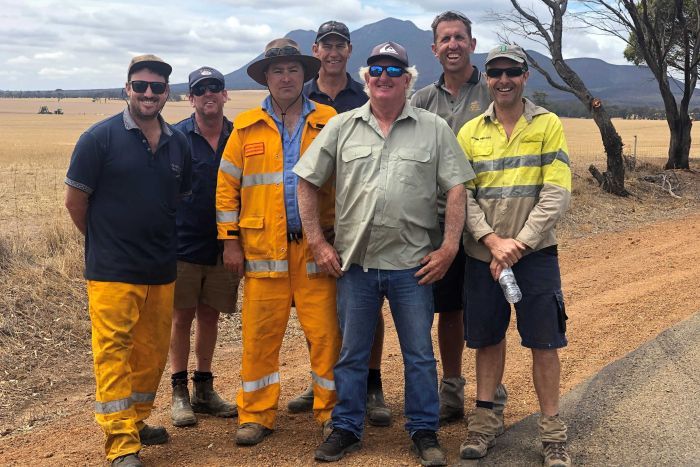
[204, 288]
[333, 86]
[124, 181]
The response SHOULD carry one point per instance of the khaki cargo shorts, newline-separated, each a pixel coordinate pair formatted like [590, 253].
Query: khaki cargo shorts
[211, 285]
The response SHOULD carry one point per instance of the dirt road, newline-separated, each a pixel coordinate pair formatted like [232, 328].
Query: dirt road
[621, 289]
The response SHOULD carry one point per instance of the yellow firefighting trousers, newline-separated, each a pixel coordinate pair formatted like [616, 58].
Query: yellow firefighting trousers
[130, 340]
[265, 313]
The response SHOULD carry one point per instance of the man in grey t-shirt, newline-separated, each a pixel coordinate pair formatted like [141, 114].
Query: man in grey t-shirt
[458, 96]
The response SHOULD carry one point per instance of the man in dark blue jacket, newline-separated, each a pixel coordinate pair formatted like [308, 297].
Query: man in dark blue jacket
[203, 289]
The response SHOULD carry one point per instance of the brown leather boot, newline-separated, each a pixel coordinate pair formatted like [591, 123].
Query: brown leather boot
[180, 409]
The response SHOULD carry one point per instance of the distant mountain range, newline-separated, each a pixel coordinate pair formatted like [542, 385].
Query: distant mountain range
[624, 85]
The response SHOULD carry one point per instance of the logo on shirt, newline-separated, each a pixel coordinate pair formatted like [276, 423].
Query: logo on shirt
[176, 169]
[475, 106]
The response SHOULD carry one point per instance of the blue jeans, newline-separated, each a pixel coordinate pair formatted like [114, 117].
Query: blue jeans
[360, 298]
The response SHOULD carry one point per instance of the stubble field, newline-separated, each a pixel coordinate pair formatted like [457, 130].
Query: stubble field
[624, 264]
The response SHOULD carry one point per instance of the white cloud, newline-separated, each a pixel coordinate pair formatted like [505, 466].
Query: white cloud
[20, 60]
[94, 41]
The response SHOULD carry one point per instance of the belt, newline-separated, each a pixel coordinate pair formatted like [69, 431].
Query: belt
[294, 236]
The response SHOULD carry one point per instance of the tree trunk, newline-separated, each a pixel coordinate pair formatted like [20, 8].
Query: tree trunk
[679, 148]
[615, 173]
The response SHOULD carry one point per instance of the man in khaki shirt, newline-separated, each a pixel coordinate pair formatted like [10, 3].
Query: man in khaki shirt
[389, 160]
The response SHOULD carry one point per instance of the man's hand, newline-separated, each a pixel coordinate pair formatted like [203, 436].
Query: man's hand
[436, 264]
[505, 251]
[233, 257]
[327, 258]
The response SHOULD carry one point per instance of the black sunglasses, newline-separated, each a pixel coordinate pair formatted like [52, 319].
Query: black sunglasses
[391, 71]
[200, 89]
[281, 51]
[511, 72]
[157, 87]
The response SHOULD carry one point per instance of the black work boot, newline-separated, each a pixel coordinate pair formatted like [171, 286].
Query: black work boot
[206, 400]
[150, 435]
[338, 443]
[181, 411]
[425, 444]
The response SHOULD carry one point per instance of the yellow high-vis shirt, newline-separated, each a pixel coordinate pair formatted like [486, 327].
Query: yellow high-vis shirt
[522, 185]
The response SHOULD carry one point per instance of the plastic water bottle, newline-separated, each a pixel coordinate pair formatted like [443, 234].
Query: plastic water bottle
[510, 286]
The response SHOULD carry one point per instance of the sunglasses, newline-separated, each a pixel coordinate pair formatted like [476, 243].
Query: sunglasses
[511, 72]
[391, 71]
[281, 51]
[157, 87]
[200, 89]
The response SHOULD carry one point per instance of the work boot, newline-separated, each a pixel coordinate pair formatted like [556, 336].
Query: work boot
[555, 455]
[250, 434]
[338, 443]
[206, 400]
[378, 414]
[499, 404]
[553, 435]
[150, 435]
[304, 402]
[180, 409]
[129, 460]
[425, 444]
[451, 399]
[481, 434]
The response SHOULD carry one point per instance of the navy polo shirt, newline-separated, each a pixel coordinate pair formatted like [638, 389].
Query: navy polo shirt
[133, 198]
[196, 214]
[350, 97]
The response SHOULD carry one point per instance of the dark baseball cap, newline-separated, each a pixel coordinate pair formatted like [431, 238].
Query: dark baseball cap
[206, 72]
[388, 50]
[333, 27]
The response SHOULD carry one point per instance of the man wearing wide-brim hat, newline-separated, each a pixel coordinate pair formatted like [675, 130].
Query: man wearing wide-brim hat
[258, 220]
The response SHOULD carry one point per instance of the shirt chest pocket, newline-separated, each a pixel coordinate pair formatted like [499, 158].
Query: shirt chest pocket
[412, 166]
[357, 163]
[531, 145]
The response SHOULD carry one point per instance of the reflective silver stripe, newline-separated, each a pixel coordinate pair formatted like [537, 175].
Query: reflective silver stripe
[549, 157]
[226, 216]
[229, 168]
[518, 191]
[261, 179]
[141, 397]
[266, 266]
[312, 268]
[250, 386]
[112, 406]
[506, 163]
[323, 382]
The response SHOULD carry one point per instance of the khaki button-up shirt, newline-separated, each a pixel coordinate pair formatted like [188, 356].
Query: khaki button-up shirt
[386, 188]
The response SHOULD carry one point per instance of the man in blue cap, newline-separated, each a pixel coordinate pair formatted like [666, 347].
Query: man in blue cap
[204, 288]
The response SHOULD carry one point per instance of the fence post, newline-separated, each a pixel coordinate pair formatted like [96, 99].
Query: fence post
[634, 151]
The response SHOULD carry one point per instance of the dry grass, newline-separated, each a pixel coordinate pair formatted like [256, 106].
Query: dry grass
[44, 324]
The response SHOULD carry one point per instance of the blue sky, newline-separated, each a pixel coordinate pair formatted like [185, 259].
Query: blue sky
[78, 44]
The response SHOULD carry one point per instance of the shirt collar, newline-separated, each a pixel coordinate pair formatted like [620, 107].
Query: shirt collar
[130, 124]
[193, 127]
[307, 106]
[365, 112]
[473, 79]
[349, 85]
[529, 112]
